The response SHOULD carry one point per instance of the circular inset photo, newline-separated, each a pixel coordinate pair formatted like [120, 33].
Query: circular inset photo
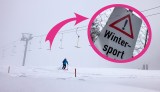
[119, 33]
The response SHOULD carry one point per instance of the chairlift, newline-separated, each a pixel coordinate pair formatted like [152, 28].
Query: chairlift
[40, 43]
[13, 49]
[78, 36]
[49, 48]
[61, 41]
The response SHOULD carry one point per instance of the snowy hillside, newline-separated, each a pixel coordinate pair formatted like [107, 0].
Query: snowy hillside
[45, 79]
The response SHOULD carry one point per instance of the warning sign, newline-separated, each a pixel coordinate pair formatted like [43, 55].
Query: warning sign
[118, 37]
[123, 21]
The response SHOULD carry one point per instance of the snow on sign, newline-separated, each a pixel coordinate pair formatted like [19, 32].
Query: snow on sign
[118, 37]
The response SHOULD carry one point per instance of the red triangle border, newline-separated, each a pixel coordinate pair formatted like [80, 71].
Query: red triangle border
[127, 34]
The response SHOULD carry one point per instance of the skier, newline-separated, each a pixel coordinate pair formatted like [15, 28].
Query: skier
[65, 62]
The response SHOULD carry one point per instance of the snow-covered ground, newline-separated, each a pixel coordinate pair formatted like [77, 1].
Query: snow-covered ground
[52, 79]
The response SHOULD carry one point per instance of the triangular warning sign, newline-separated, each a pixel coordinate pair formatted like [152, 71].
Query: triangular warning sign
[121, 29]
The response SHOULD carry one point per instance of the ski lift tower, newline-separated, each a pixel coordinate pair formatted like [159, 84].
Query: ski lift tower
[25, 37]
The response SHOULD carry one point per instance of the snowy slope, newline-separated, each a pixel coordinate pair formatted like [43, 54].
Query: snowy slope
[45, 79]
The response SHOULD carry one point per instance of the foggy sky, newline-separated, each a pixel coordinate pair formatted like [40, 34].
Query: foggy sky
[39, 16]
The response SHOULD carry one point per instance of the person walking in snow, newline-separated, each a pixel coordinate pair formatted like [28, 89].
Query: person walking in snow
[65, 63]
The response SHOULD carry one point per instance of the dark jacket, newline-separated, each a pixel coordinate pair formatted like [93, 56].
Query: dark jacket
[65, 61]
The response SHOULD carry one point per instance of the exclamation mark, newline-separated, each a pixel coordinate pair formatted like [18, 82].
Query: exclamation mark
[125, 24]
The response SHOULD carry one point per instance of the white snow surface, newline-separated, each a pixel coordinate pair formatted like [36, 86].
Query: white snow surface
[53, 79]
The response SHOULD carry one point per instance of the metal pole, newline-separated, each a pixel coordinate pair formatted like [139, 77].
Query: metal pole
[9, 69]
[146, 66]
[75, 73]
[25, 53]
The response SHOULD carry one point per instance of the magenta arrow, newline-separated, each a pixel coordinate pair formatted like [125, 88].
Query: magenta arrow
[52, 33]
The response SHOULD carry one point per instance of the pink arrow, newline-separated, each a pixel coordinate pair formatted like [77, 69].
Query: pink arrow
[52, 33]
